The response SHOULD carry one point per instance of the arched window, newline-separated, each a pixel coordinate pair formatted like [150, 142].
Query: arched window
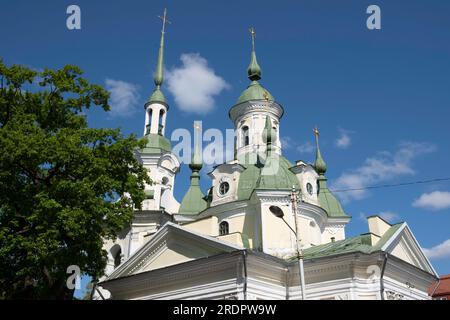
[116, 253]
[245, 137]
[149, 123]
[160, 123]
[224, 228]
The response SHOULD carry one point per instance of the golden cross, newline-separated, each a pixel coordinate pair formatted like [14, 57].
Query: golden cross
[253, 33]
[164, 20]
[316, 131]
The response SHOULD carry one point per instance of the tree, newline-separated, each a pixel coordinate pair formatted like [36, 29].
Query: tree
[63, 185]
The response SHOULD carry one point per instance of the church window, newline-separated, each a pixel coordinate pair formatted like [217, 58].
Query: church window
[309, 188]
[245, 137]
[224, 228]
[160, 122]
[116, 253]
[223, 188]
[165, 180]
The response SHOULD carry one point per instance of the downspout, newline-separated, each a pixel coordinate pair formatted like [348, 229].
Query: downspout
[287, 283]
[381, 276]
[245, 273]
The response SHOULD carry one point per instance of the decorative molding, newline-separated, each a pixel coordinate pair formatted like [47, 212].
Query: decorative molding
[239, 110]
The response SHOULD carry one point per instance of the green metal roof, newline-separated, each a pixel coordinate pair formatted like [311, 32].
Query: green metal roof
[193, 201]
[156, 143]
[361, 243]
[328, 201]
[276, 175]
[157, 96]
[255, 92]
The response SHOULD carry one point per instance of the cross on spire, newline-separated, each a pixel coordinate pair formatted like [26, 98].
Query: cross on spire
[316, 134]
[316, 131]
[253, 33]
[164, 20]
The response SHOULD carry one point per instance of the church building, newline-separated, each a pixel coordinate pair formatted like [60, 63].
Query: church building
[267, 228]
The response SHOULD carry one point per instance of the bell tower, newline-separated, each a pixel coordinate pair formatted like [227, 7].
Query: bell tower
[253, 108]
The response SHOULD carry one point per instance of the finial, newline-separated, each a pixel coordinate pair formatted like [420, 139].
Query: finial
[319, 164]
[159, 76]
[164, 20]
[253, 33]
[254, 70]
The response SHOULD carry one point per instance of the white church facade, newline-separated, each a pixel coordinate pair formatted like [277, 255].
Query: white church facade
[239, 239]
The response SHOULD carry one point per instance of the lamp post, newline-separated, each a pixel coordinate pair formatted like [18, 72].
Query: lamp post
[277, 212]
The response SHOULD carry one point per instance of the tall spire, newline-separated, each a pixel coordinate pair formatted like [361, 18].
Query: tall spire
[158, 77]
[254, 70]
[193, 201]
[319, 164]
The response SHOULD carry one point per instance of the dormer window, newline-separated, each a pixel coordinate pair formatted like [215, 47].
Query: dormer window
[223, 188]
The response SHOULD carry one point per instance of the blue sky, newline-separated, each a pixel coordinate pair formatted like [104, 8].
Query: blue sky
[383, 94]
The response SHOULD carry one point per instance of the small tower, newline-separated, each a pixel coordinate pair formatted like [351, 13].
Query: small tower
[326, 199]
[156, 107]
[157, 156]
[250, 113]
[194, 200]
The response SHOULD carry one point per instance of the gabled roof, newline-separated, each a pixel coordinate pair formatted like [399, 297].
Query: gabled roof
[397, 241]
[170, 245]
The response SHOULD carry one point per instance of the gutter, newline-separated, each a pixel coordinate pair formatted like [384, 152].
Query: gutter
[381, 276]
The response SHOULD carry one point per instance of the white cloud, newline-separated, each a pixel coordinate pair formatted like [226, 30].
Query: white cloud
[384, 166]
[440, 251]
[287, 142]
[306, 147]
[344, 141]
[124, 97]
[436, 200]
[194, 84]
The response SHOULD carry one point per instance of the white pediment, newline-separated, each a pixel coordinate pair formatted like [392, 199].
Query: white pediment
[405, 246]
[171, 245]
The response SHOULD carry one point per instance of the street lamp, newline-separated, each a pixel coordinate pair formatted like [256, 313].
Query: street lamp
[277, 212]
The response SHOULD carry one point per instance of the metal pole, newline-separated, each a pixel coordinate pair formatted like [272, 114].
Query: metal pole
[299, 250]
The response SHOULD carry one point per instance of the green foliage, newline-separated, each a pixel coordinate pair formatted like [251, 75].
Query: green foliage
[63, 186]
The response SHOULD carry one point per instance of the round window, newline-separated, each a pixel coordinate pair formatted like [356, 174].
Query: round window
[223, 188]
[309, 188]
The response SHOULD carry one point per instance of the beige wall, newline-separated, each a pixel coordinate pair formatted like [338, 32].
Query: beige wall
[208, 226]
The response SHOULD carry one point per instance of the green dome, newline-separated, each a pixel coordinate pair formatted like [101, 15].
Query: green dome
[255, 92]
[273, 175]
[156, 143]
[157, 96]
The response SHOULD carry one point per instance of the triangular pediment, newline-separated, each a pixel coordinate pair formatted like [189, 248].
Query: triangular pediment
[404, 246]
[171, 245]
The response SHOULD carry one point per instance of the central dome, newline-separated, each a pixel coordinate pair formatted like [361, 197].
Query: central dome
[255, 92]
